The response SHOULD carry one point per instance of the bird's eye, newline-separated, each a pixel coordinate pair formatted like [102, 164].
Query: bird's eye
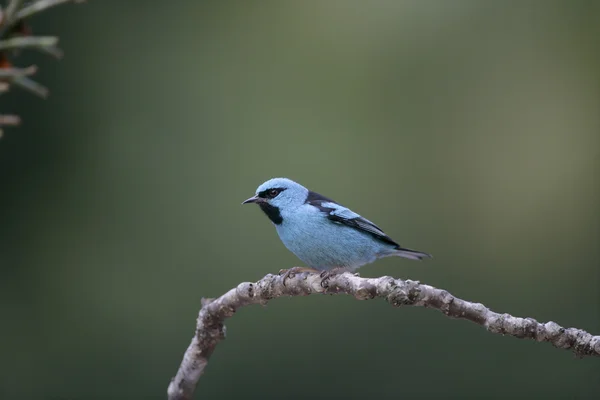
[273, 193]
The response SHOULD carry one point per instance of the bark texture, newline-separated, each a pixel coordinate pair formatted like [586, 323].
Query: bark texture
[210, 328]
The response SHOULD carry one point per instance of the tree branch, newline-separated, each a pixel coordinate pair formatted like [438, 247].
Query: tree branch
[210, 329]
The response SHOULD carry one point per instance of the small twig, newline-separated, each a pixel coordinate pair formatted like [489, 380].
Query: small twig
[210, 329]
[41, 5]
[31, 86]
[8, 16]
[10, 11]
[52, 51]
[21, 42]
[10, 73]
[18, 76]
[8, 120]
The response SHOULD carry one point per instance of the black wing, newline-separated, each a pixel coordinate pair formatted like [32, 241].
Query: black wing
[343, 215]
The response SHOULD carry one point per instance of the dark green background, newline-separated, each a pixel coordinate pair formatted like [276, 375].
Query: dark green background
[468, 129]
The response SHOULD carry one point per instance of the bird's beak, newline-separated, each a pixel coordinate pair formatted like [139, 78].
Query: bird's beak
[253, 199]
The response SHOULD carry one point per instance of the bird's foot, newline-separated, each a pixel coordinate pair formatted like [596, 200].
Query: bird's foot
[328, 274]
[290, 273]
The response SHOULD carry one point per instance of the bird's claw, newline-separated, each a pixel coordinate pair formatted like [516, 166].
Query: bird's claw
[328, 274]
[290, 273]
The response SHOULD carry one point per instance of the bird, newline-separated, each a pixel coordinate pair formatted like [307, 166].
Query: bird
[322, 233]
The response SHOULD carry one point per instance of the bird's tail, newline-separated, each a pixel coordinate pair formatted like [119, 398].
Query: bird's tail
[412, 254]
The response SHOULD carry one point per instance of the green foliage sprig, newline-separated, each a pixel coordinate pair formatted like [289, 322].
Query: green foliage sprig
[16, 35]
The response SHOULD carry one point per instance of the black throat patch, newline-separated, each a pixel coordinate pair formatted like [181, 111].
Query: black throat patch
[272, 212]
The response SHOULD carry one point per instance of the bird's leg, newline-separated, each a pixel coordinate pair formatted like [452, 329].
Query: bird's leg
[290, 273]
[325, 275]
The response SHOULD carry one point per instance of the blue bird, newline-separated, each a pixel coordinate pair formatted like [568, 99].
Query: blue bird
[322, 233]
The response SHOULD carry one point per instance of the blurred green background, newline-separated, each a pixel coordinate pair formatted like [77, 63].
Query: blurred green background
[468, 129]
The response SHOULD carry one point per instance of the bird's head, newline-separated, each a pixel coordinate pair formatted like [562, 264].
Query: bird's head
[278, 194]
